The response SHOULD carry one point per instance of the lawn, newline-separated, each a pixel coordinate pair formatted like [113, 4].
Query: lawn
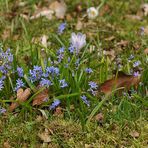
[73, 73]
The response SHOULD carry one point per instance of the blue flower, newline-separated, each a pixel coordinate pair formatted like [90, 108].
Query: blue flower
[2, 110]
[60, 57]
[71, 49]
[93, 85]
[131, 57]
[1, 84]
[69, 59]
[45, 82]
[63, 83]
[51, 70]
[93, 92]
[54, 104]
[84, 98]
[88, 70]
[36, 73]
[19, 84]
[61, 28]
[77, 62]
[136, 74]
[20, 71]
[6, 58]
[137, 63]
[61, 50]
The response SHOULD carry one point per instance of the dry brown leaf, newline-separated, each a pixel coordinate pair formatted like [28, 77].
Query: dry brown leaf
[122, 81]
[134, 134]
[6, 34]
[144, 8]
[44, 39]
[79, 8]
[123, 43]
[79, 25]
[146, 51]
[69, 17]
[58, 112]
[45, 137]
[110, 53]
[146, 30]
[59, 8]
[104, 10]
[6, 145]
[99, 117]
[41, 98]
[43, 12]
[134, 17]
[22, 96]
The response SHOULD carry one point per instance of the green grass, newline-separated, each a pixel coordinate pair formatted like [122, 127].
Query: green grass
[121, 114]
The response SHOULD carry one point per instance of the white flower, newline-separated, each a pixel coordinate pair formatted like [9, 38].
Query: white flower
[78, 41]
[92, 12]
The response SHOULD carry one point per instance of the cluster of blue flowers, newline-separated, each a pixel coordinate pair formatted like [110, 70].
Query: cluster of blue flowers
[93, 87]
[51, 74]
[6, 59]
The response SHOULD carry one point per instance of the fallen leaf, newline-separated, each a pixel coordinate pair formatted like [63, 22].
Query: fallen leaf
[134, 134]
[99, 117]
[43, 12]
[44, 39]
[59, 8]
[69, 17]
[79, 8]
[79, 25]
[41, 98]
[58, 112]
[110, 53]
[123, 43]
[22, 96]
[105, 9]
[134, 17]
[6, 145]
[45, 137]
[146, 30]
[146, 51]
[43, 113]
[144, 8]
[6, 34]
[122, 81]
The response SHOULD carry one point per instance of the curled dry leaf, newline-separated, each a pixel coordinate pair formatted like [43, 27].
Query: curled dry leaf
[79, 25]
[44, 39]
[43, 12]
[99, 117]
[123, 43]
[122, 81]
[41, 98]
[134, 134]
[6, 145]
[110, 53]
[59, 8]
[45, 137]
[22, 96]
[144, 8]
[146, 51]
[58, 112]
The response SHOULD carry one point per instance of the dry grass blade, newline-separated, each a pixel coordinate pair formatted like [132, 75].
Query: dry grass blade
[22, 96]
[122, 81]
